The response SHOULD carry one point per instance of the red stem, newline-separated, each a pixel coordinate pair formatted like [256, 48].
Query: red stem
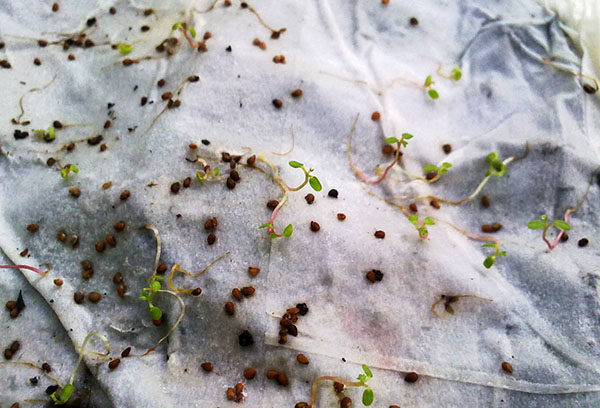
[385, 172]
[31, 268]
[560, 234]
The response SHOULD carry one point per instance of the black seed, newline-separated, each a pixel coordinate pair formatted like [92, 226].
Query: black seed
[246, 339]
[333, 193]
[303, 309]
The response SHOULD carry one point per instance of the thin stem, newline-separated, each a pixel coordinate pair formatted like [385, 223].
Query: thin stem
[271, 229]
[29, 268]
[158, 246]
[18, 120]
[177, 268]
[444, 298]
[82, 352]
[556, 67]
[179, 319]
[26, 364]
[313, 396]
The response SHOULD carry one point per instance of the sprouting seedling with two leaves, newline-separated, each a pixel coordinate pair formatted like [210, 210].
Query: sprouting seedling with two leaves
[154, 285]
[439, 171]
[208, 174]
[367, 397]
[455, 75]
[489, 261]
[189, 32]
[308, 179]
[421, 226]
[545, 224]
[67, 169]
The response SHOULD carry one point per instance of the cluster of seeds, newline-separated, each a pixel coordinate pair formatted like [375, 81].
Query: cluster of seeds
[10, 351]
[236, 393]
[14, 307]
[288, 321]
[279, 377]
[211, 225]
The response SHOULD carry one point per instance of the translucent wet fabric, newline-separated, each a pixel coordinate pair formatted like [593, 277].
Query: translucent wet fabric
[519, 95]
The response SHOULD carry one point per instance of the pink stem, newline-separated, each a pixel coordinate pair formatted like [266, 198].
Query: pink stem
[31, 268]
[560, 234]
[272, 220]
[385, 172]
[189, 40]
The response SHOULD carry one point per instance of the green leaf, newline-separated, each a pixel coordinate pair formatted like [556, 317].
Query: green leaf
[192, 31]
[215, 172]
[368, 397]
[433, 94]
[287, 232]
[430, 167]
[413, 218]
[64, 172]
[561, 225]
[367, 370]
[64, 396]
[489, 261]
[155, 286]
[489, 245]
[39, 133]
[51, 133]
[362, 378]
[535, 225]
[296, 164]
[124, 48]
[74, 168]
[503, 253]
[428, 80]
[407, 136]
[176, 26]
[446, 165]
[199, 176]
[391, 140]
[428, 221]
[491, 157]
[315, 184]
[268, 224]
[456, 74]
[155, 313]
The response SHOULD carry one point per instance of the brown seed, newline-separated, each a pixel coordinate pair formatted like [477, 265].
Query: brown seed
[87, 274]
[297, 93]
[94, 297]
[277, 103]
[186, 182]
[431, 175]
[302, 359]
[86, 264]
[236, 293]
[5, 64]
[125, 195]
[161, 83]
[175, 187]
[583, 242]
[414, 21]
[249, 373]
[110, 239]
[11, 304]
[256, 42]
[485, 201]
[253, 271]
[207, 36]
[251, 160]
[282, 379]
[37, 62]
[248, 291]
[71, 57]
[346, 402]
[379, 234]
[8, 354]
[78, 297]
[338, 387]
[486, 228]
[310, 198]
[46, 367]
[314, 226]
[234, 175]
[119, 226]
[564, 237]
[33, 227]
[125, 353]
[271, 204]
[50, 162]
[211, 238]
[230, 308]
[166, 96]
[114, 363]
[100, 246]
[230, 394]
[15, 346]
[411, 377]
[193, 146]
[239, 388]
[42, 43]
[162, 268]
[230, 183]
[74, 241]
[55, 7]
[590, 89]
[121, 290]
[208, 367]
[14, 313]
[435, 204]
[341, 216]
[197, 292]
[210, 224]
[496, 227]
[24, 252]
[58, 282]
[112, 10]
[507, 367]
[447, 148]
[385, 1]
[375, 116]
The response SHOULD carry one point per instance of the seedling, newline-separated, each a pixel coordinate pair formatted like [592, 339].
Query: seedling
[403, 142]
[433, 94]
[367, 397]
[449, 300]
[189, 32]
[17, 120]
[177, 268]
[455, 74]
[308, 179]
[489, 261]
[430, 168]
[208, 174]
[124, 48]
[154, 286]
[29, 268]
[62, 396]
[421, 226]
[497, 166]
[67, 169]
[544, 225]
[47, 135]
[587, 87]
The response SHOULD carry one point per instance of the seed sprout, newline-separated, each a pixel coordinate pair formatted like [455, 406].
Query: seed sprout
[124, 48]
[67, 169]
[47, 135]
[544, 225]
[449, 300]
[313, 181]
[154, 286]
[208, 173]
[489, 261]
[433, 94]
[176, 268]
[421, 226]
[189, 32]
[497, 166]
[363, 378]
[439, 171]
[62, 396]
